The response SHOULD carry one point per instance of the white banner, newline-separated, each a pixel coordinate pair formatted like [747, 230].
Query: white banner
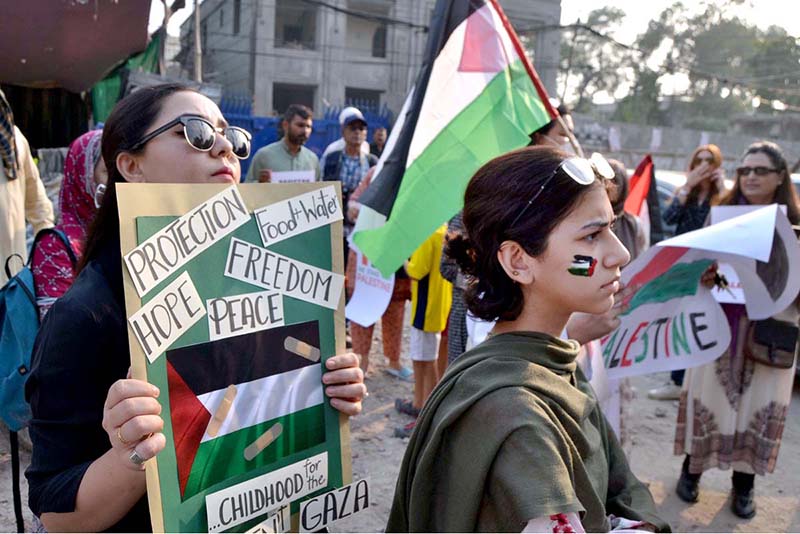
[372, 293]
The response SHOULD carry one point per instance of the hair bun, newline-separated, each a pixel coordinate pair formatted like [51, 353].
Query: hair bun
[459, 248]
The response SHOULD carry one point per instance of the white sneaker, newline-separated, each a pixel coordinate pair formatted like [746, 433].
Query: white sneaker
[666, 392]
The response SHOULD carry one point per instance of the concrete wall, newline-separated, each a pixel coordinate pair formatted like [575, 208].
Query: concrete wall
[675, 147]
[342, 55]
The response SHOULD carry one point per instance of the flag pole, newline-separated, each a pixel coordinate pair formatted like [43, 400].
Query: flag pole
[537, 83]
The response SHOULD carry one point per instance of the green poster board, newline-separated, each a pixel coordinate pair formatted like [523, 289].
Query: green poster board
[237, 354]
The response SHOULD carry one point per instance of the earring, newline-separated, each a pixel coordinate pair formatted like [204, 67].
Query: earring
[515, 273]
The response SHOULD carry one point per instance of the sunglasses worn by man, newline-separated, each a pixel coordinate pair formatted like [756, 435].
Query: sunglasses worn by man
[582, 170]
[201, 135]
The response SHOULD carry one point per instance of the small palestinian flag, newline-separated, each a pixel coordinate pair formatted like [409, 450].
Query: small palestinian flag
[242, 403]
[476, 97]
[582, 265]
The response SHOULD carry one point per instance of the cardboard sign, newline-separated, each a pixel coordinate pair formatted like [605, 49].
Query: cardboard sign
[249, 429]
[322, 510]
[169, 250]
[297, 215]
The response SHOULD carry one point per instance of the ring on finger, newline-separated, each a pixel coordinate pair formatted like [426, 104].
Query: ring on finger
[120, 438]
[135, 458]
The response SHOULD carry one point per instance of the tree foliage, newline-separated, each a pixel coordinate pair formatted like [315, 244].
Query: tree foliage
[727, 60]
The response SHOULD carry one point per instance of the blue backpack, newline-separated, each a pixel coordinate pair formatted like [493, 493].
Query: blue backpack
[19, 324]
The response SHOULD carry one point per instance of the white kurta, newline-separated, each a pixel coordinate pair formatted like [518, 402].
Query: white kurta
[20, 200]
[732, 410]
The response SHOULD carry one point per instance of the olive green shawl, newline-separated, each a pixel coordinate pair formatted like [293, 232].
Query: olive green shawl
[513, 432]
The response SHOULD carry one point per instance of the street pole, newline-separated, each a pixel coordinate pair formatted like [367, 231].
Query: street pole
[198, 50]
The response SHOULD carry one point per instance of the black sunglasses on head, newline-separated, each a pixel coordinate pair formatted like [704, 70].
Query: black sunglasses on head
[201, 135]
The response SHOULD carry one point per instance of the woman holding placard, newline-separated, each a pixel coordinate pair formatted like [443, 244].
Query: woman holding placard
[512, 438]
[92, 427]
[732, 411]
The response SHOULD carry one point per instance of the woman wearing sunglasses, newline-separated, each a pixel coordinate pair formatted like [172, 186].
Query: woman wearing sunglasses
[92, 427]
[526, 444]
[732, 411]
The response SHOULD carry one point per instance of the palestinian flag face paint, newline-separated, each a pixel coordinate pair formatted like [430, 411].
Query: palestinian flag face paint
[582, 265]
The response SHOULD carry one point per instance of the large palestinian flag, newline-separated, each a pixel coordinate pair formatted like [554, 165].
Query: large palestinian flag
[476, 97]
[241, 403]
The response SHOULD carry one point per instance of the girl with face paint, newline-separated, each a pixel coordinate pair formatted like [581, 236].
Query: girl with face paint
[525, 442]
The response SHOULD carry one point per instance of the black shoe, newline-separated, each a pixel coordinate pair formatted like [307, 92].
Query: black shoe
[687, 488]
[743, 504]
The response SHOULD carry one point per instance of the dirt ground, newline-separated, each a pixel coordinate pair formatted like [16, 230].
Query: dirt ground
[651, 425]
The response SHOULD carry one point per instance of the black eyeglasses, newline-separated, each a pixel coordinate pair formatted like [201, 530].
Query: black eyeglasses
[201, 135]
[581, 170]
[760, 171]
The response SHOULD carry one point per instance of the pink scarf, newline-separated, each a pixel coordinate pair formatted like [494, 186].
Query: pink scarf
[52, 268]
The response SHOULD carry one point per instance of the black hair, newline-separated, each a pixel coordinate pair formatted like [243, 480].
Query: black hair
[785, 194]
[621, 185]
[495, 195]
[304, 112]
[126, 125]
[563, 110]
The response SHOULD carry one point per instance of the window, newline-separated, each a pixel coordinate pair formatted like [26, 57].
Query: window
[365, 34]
[379, 42]
[363, 99]
[285, 94]
[295, 25]
[237, 11]
[221, 17]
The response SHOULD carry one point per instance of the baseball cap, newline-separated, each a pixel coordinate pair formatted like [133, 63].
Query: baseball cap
[352, 115]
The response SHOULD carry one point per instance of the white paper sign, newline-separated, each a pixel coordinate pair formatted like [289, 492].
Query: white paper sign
[293, 177]
[249, 499]
[371, 295]
[296, 215]
[672, 322]
[263, 268]
[168, 250]
[160, 322]
[243, 314]
[322, 510]
[279, 522]
[477, 330]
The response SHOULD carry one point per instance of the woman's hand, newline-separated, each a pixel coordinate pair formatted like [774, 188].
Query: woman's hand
[132, 420]
[718, 177]
[709, 277]
[344, 383]
[698, 174]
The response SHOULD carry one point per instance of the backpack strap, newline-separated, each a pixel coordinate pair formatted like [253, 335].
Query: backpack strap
[64, 240]
[8, 267]
[17, 497]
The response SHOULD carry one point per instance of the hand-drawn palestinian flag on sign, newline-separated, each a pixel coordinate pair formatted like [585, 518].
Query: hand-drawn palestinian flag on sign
[225, 396]
[476, 97]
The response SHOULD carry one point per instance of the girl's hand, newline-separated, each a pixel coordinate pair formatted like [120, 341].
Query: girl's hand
[709, 277]
[698, 174]
[132, 420]
[344, 383]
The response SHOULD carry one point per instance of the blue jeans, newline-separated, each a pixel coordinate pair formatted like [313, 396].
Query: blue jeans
[677, 376]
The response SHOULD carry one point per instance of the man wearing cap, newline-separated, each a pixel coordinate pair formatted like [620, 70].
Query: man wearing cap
[339, 143]
[287, 153]
[350, 164]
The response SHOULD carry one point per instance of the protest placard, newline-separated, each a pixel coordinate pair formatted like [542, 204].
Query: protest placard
[372, 292]
[239, 362]
[673, 322]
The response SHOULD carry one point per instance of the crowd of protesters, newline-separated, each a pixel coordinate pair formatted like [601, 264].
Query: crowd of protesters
[523, 390]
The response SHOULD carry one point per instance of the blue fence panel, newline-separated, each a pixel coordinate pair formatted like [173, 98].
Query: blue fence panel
[265, 130]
